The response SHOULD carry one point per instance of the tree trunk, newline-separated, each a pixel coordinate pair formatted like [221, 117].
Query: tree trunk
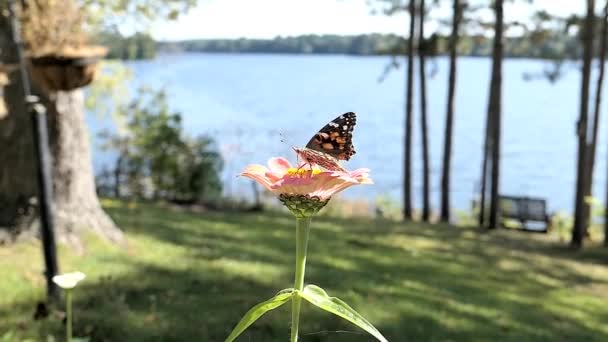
[604, 44]
[484, 171]
[18, 186]
[407, 161]
[578, 230]
[495, 108]
[592, 145]
[426, 210]
[482, 183]
[491, 152]
[449, 120]
[76, 203]
[118, 175]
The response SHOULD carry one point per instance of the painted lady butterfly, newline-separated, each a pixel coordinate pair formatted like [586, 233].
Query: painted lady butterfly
[331, 144]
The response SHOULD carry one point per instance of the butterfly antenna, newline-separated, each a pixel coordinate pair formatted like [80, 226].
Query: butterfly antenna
[283, 137]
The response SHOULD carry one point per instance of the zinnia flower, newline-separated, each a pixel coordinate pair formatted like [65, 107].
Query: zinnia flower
[304, 190]
[68, 280]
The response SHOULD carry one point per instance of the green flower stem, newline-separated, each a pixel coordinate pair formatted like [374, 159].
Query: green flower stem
[302, 229]
[68, 308]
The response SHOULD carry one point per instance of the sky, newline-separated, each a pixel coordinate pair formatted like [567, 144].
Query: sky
[271, 18]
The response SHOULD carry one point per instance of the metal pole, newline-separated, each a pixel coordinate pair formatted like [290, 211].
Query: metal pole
[43, 157]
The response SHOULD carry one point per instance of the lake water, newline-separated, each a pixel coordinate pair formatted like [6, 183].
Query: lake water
[259, 106]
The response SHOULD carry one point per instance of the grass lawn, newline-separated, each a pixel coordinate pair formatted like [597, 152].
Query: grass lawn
[190, 277]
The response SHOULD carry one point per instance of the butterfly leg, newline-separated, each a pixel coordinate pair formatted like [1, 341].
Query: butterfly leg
[304, 165]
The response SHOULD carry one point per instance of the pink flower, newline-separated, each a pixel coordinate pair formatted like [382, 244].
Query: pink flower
[282, 178]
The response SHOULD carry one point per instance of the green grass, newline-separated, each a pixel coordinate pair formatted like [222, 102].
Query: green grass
[190, 277]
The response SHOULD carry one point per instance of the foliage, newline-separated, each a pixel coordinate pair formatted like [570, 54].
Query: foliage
[113, 13]
[561, 225]
[157, 160]
[388, 208]
[136, 46]
[318, 297]
[562, 222]
[108, 95]
[260, 309]
[598, 215]
[314, 295]
[51, 26]
[189, 277]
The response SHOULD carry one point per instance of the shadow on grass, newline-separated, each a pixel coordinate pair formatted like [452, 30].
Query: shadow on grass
[192, 276]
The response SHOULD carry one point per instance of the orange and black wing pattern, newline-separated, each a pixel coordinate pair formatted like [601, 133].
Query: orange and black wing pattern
[335, 138]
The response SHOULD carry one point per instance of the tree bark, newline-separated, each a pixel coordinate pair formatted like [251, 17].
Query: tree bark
[592, 145]
[604, 44]
[18, 186]
[426, 210]
[484, 171]
[76, 203]
[449, 120]
[578, 230]
[491, 151]
[407, 160]
[118, 175]
[495, 110]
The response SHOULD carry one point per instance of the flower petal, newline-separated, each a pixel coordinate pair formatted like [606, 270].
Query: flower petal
[278, 165]
[68, 280]
[255, 169]
[280, 178]
[259, 174]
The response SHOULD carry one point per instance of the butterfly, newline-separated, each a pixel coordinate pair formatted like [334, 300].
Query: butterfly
[331, 144]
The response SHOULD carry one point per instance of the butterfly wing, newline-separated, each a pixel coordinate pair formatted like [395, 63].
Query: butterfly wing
[335, 138]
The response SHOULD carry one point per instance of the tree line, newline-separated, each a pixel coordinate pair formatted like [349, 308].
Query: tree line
[136, 46]
[528, 46]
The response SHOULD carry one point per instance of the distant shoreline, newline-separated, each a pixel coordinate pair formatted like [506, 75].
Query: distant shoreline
[553, 48]
[176, 53]
[143, 46]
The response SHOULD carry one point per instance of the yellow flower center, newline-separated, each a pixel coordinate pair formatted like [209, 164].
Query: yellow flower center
[292, 171]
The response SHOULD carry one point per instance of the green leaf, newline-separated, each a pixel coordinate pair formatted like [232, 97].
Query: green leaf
[318, 297]
[257, 311]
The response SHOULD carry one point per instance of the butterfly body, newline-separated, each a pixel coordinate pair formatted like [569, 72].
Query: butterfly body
[331, 144]
[324, 160]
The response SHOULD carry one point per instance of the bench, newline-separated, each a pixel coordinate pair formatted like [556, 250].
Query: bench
[524, 209]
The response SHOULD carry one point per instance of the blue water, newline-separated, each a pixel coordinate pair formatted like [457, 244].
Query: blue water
[259, 106]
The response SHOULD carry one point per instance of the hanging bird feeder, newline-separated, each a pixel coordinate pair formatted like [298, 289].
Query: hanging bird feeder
[59, 55]
[66, 70]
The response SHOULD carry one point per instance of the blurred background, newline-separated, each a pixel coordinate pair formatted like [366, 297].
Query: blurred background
[479, 120]
[230, 69]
